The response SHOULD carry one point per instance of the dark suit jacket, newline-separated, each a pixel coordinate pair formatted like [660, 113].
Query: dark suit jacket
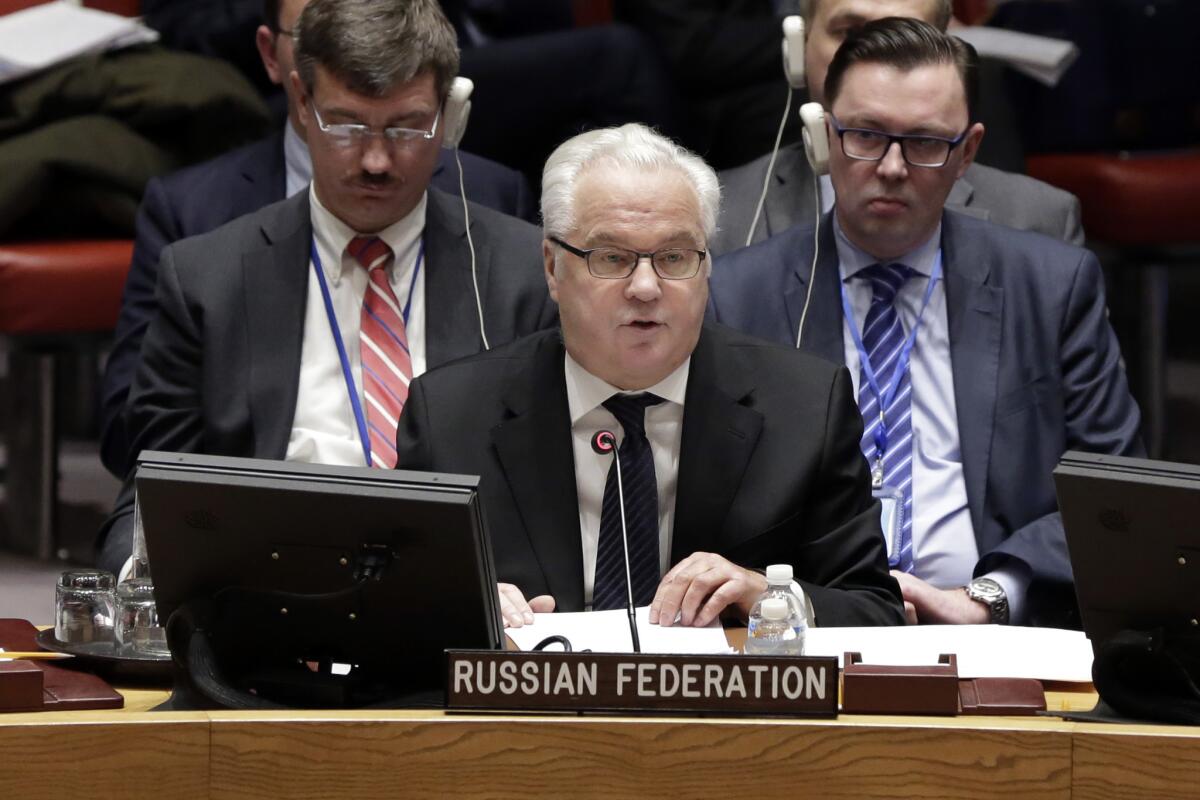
[220, 362]
[1017, 201]
[769, 468]
[1037, 369]
[203, 197]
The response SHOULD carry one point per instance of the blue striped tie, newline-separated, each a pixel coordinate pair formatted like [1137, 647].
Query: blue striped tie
[883, 337]
[641, 512]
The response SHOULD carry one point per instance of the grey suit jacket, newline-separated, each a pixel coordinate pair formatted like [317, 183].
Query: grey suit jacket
[220, 362]
[1006, 198]
[1036, 368]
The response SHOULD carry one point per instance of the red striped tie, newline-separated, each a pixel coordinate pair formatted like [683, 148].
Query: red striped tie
[386, 365]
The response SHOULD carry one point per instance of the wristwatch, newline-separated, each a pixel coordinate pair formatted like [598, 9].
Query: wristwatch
[991, 594]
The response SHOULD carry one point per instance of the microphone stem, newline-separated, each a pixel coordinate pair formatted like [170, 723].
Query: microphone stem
[633, 633]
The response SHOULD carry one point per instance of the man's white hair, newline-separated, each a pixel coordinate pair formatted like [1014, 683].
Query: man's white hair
[629, 146]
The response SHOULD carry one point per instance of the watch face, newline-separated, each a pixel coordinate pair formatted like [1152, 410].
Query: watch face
[990, 593]
[986, 589]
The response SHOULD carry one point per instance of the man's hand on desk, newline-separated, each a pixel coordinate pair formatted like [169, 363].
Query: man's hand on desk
[926, 604]
[702, 586]
[516, 610]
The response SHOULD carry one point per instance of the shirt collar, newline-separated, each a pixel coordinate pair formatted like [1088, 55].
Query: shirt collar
[853, 259]
[333, 235]
[586, 392]
[295, 155]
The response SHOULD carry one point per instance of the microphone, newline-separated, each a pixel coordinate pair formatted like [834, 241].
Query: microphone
[604, 443]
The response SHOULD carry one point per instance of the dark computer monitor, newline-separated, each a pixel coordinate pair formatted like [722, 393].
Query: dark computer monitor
[308, 564]
[1134, 540]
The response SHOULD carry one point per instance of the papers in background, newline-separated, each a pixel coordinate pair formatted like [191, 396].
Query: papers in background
[1040, 57]
[45, 35]
[983, 651]
[608, 632]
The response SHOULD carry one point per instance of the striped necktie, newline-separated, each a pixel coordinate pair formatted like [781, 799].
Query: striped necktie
[883, 338]
[386, 365]
[641, 512]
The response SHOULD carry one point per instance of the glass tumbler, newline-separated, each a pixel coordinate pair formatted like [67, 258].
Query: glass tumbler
[84, 606]
[137, 627]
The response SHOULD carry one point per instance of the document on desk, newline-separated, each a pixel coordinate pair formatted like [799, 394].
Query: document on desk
[608, 632]
[983, 651]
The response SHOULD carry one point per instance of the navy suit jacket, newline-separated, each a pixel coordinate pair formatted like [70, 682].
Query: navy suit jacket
[205, 196]
[1037, 370]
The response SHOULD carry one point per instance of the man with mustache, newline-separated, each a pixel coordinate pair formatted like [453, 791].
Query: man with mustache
[293, 332]
[202, 197]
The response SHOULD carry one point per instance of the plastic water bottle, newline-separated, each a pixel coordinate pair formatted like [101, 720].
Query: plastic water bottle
[779, 586]
[773, 632]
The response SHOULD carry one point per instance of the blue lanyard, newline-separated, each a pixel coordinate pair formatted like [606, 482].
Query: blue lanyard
[902, 362]
[360, 419]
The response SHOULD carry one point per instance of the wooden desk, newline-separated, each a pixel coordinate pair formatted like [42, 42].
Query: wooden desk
[357, 754]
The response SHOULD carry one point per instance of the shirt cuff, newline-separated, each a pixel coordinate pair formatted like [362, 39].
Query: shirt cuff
[1014, 578]
[126, 571]
[805, 604]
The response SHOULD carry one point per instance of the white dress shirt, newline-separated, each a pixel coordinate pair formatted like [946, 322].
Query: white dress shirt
[664, 426]
[944, 547]
[296, 160]
[324, 430]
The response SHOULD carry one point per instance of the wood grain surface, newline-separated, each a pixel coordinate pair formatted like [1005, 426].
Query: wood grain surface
[99, 755]
[359, 754]
[1130, 762]
[602, 758]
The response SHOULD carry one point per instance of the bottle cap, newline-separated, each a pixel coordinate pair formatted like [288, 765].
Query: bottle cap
[779, 573]
[775, 609]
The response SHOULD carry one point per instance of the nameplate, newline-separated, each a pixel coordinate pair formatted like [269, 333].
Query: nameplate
[501, 680]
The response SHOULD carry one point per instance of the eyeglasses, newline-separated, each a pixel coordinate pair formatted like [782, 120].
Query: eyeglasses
[672, 264]
[864, 144]
[353, 134]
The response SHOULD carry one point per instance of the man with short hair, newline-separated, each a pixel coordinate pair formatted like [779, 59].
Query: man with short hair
[205, 196]
[987, 349]
[984, 192]
[293, 332]
[720, 475]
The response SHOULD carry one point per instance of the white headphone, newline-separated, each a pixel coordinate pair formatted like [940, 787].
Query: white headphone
[793, 71]
[454, 125]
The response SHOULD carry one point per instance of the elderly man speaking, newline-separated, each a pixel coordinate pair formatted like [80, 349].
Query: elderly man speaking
[734, 453]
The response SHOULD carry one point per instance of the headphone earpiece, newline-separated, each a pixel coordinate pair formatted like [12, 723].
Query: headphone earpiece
[816, 137]
[793, 51]
[458, 111]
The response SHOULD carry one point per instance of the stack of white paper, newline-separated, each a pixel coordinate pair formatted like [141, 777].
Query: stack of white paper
[982, 651]
[45, 35]
[608, 632]
[1040, 57]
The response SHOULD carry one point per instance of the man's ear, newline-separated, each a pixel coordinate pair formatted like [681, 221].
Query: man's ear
[264, 40]
[970, 147]
[548, 261]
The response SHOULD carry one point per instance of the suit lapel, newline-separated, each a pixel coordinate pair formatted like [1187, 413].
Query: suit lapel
[719, 435]
[536, 456]
[822, 334]
[974, 311]
[275, 279]
[264, 171]
[451, 318]
[790, 199]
